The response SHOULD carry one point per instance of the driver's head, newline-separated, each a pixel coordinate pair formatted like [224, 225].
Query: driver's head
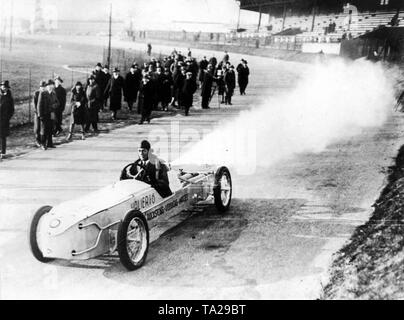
[144, 150]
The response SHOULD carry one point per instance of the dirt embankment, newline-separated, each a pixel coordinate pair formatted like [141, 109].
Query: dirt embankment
[370, 266]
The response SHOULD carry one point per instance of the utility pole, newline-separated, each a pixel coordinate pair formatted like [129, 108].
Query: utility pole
[11, 24]
[110, 36]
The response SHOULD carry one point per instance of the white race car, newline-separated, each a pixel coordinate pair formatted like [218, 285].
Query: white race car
[119, 217]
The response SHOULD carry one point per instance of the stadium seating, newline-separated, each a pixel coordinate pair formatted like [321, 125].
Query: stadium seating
[361, 23]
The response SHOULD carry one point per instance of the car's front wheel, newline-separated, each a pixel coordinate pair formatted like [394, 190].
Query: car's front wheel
[34, 234]
[133, 240]
[223, 189]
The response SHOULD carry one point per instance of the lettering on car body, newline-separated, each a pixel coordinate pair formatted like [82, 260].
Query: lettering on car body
[144, 202]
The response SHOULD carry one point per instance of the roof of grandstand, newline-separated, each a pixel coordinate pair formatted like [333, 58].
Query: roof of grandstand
[276, 7]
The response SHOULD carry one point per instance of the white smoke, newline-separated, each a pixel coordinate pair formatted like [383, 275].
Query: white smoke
[331, 102]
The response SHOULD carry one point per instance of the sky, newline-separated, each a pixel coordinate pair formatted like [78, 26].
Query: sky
[144, 12]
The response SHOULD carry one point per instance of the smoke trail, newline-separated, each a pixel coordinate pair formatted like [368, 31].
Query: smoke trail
[332, 101]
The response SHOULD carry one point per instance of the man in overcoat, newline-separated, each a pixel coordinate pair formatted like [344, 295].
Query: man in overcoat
[132, 85]
[6, 112]
[114, 90]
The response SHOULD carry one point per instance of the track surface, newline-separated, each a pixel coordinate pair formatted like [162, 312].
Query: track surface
[276, 242]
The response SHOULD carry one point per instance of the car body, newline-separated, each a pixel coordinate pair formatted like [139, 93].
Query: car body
[119, 217]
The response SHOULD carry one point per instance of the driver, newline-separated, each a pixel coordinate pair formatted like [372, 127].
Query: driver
[150, 170]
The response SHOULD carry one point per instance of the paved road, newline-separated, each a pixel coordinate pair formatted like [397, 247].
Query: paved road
[276, 242]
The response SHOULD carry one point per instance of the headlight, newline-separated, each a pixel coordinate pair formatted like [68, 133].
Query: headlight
[55, 223]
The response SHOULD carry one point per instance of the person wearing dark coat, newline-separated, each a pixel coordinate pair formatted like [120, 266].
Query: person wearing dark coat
[61, 96]
[46, 105]
[219, 79]
[114, 91]
[132, 85]
[101, 79]
[55, 107]
[146, 96]
[78, 105]
[187, 92]
[230, 84]
[206, 90]
[93, 99]
[213, 62]
[159, 77]
[166, 89]
[150, 171]
[243, 75]
[203, 65]
[37, 120]
[179, 84]
[6, 112]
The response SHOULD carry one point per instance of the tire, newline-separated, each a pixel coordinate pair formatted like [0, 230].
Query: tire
[136, 220]
[33, 241]
[222, 200]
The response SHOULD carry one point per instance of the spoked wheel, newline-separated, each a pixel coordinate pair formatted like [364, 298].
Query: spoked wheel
[133, 240]
[35, 234]
[223, 189]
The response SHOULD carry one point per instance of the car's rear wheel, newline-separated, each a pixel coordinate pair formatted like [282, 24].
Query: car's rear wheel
[223, 189]
[133, 240]
[34, 234]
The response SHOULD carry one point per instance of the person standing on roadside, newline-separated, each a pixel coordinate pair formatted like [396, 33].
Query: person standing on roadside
[6, 112]
[78, 105]
[37, 120]
[206, 90]
[243, 76]
[101, 79]
[146, 95]
[93, 99]
[54, 105]
[132, 85]
[230, 84]
[187, 93]
[61, 96]
[115, 87]
[44, 109]
[107, 78]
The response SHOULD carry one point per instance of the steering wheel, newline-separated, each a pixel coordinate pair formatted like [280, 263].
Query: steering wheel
[124, 173]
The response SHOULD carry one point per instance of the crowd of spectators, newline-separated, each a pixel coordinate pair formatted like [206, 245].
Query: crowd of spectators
[166, 84]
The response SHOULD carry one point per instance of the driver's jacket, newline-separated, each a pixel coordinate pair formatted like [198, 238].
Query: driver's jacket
[147, 169]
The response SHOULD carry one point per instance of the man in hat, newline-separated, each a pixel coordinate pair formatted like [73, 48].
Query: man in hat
[166, 88]
[61, 96]
[101, 79]
[206, 90]
[132, 85]
[151, 170]
[114, 91]
[187, 92]
[6, 112]
[44, 109]
[37, 120]
[146, 96]
[203, 65]
[93, 97]
[54, 106]
[243, 75]
[230, 83]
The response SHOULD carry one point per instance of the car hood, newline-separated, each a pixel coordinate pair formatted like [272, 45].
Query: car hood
[74, 211]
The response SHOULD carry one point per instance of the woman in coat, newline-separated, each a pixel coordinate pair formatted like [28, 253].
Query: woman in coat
[6, 112]
[93, 98]
[115, 87]
[78, 105]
